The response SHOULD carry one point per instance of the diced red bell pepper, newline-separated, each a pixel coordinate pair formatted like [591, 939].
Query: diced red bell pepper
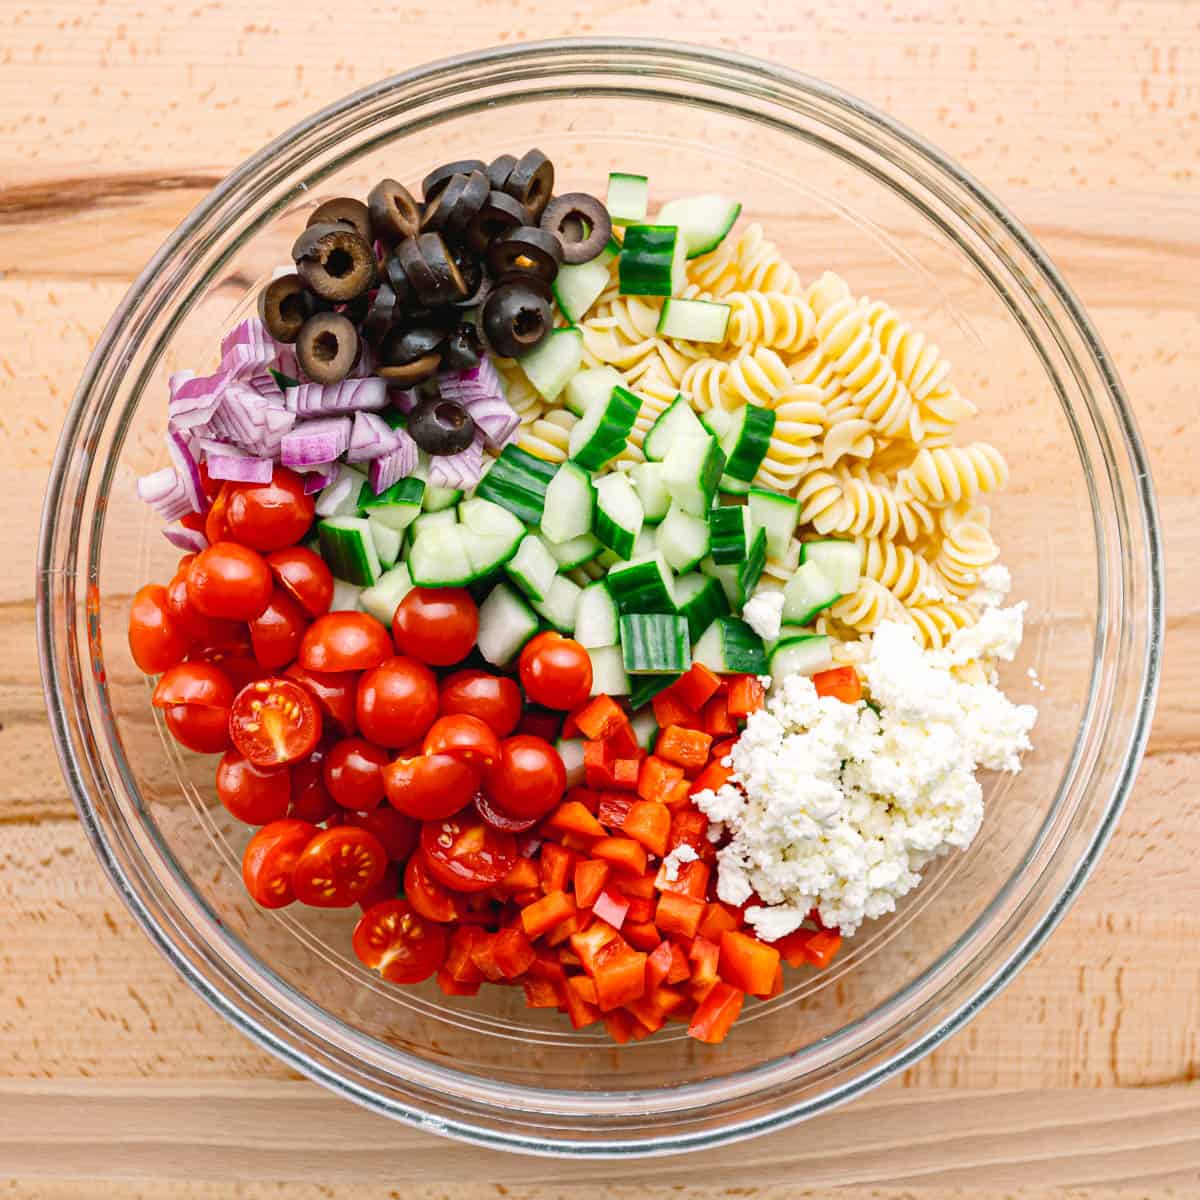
[589, 880]
[557, 865]
[547, 912]
[822, 947]
[620, 1026]
[572, 817]
[746, 695]
[614, 808]
[454, 987]
[646, 1015]
[842, 683]
[649, 822]
[678, 915]
[625, 772]
[542, 993]
[640, 910]
[611, 908]
[686, 747]
[567, 957]
[718, 919]
[712, 777]
[597, 765]
[679, 794]
[600, 718]
[657, 777]
[623, 853]
[620, 974]
[746, 963]
[670, 709]
[523, 876]
[623, 743]
[512, 952]
[680, 971]
[689, 827]
[585, 796]
[544, 967]
[483, 955]
[697, 686]
[579, 843]
[459, 963]
[590, 941]
[658, 965]
[691, 879]
[717, 720]
[791, 947]
[721, 750]
[585, 988]
[640, 1032]
[563, 930]
[716, 1014]
[580, 1012]
[776, 987]
[540, 722]
[642, 935]
[634, 885]
[704, 957]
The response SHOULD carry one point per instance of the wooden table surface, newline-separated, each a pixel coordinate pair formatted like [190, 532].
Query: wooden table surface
[116, 1081]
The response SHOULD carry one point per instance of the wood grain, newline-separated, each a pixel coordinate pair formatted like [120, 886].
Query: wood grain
[1081, 1078]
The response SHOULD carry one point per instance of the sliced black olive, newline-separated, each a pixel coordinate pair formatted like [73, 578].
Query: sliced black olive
[449, 283]
[343, 210]
[499, 169]
[463, 347]
[440, 176]
[474, 276]
[581, 223]
[441, 426]
[395, 214]
[402, 346]
[455, 206]
[284, 305]
[515, 319]
[500, 215]
[356, 310]
[408, 260]
[410, 374]
[385, 309]
[532, 182]
[334, 261]
[327, 347]
[406, 296]
[535, 283]
[528, 249]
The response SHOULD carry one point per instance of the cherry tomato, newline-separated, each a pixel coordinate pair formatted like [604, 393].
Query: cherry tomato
[430, 785]
[233, 655]
[304, 576]
[465, 854]
[229, 581]
[194, 683]
[269, 516]
[388, 888]
[216, 527]
[498, 819]
[199, 727]
[270, 859]
[344, 641]
[430, 898]
[334, 692]
[398, 942]
[556, 671]
[199, 627]
[437, 625]
[465, 737]
[156, 640]
[528, 780]
[311, 800]
[274, 721]
[352, 773]
[276, 632]
[252, 795]
[397, 701]
[396, 832]
[491, 698]
[338, 866]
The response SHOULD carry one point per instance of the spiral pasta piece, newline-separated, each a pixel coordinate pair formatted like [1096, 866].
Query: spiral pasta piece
[947, 474]
[776, 319]
[965, 551]
[716, 273]
[521, 395]
[850, 438]
[548, 437]
[941, 412]
[937, 622]
[901, 570]
[761, 268]
[820, 496]
[917, 362]
[865, 608]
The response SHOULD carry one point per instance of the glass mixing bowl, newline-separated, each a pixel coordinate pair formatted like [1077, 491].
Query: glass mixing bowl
[838, 186]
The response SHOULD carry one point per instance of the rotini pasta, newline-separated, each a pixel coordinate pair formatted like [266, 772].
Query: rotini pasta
[548, 436]
[867, 607]
[938, 621]
[902, 571]
[965, 551]
[947, 474]
[776, 319]
[761, 268]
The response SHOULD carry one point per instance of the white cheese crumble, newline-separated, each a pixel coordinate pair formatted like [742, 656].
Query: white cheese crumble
[763, 612]
[995, 582]
[839, 807]
[680, 855]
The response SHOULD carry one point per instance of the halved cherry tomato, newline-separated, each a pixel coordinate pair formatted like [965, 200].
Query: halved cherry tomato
[255, 796]
[397, 701]
[270, 859]
[388, 888]
[430, 786]
[396, 832]
[338, 866]
[497, 818]
[269, 516]
[334, 692]
[353, 773]
[194, 623]
[465, 737]
[304, 576]
[193, 683]
[344, 641]
[465, 854]
[199, 727]
[276, 632]
[311, 800]
[492, 698]
[429, 897]
[229, 581]
[556, 671]
[436, 625]
[274, 721]
[398, 942]
[156, 641]
[528, 779]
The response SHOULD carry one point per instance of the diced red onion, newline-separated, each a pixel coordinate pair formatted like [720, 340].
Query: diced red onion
[318, 480]
[194, 398]
[326, 399]
[183, 538]
[473, 383]
[371, 437]
[188, 470]
[240, 468]
[264, 384]
[247, 347]
[404, 401]
[481, 392]
[314, 443]
[461, 470]
[495, 419]
[165, 493]
[251, 421]
[398, 464]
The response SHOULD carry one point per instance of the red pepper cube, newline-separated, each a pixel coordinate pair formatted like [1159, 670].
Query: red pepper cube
[571, 816]
[717, 720]
[600, 718]
[641, 909]
[658, 965]
[678, 915]
[669, 710]
[483, 955]
[746, 696]
[557, 864]
[623, 743]
[620, 974]
[842, 683]
[513, 952]
[679, 794]
[718, 919]
[641, 935]
[822, 947]
[611, 908]
[623, 853]
[597, 765]
[542, 993]
[713, 776]
[563, 930]
[589, 881]
[614, 808]
[746, 963]
[459, 963]
[625, 773]
[641, 886]
[687, 748]
[453, 987]
[550, 910]
[649, 822]
[697, 686]
[689, 827]
[579, 1011]
[691, 879]
[716, 1014]
[620, 1025]
[656, 777]
[589, 942]
[585, 988]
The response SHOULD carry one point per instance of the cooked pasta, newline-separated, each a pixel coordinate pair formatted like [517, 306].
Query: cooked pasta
[776, 319]
[948, 474]
[519, 392]
[965, 551]
[761, 268]
[548, 436]
[937, 622]
[847, 439]
[902, 571]
[869, 605]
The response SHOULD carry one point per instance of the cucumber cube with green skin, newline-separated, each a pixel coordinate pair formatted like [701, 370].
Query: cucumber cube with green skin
[643, 586]
[570, 503]
[676, 421]
[700, 600]
[596, 617]
[619, 516]
[747, 440]
[517, 481]
[552, 363]
[643, 688]
[651, 490]
[730, 646]
[692, 469]
[653, 261]
[609, 677]
[704, 221]
[804, 655]
[532, 568]
[655, 643]
[730, 532]
[776, 514]
[601, 433]
[808, 592]
[590, 385]
[348, 547]
[683, 539]
[506, 623]
[840, 560]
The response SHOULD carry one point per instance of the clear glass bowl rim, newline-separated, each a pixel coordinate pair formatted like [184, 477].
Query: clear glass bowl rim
[55, 584]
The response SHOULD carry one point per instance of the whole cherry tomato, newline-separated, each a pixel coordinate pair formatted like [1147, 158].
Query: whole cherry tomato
[199, 727]
[437, 625]
[334, 692]
[255, 796]
[233, 654]
[344, 641]
[229, 581]
[338, 867]
[304, 576]
[465, 854]
[352, 773]
[465, 737]
[193, 683]
[276, 632]
[395, 940]
[311, 800]
[397, 701]
[270, 859]
[156, 640]
[529, 778]
[430, 785]
[274, 721]
[556, 671]
[491, 698]
[269, 516]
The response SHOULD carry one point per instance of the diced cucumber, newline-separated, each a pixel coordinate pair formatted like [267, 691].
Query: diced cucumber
[733, 487]
[655, 643]
[804, 655]
[439, 558]
[343, 497]
[487, 552]
[590, 385]
[552, 362]
[777, 515]
[574, 552]
[609, 677]
[717, 421]
[578, 286]
[675, 422]
[730, 646]
[746, 441]
[807, 593]
[561, 604]
[646, 545]
[506, 623]
[607, 558]
[438, 499]
[731, 533]
[446, 518]
[517, 481]
[596, 617]
[532, 568]
[643, 688]
[694, 320]
[382, 597]
[398, 506]
[840, 560]
[645, 727]
[691, 470]
[349, 549]
[643, 586]
[347, 597]
[489, 519]
[652, 491]
[600, 434]
[726, 575]
[569, 504]
[619, 516]
[628, 198]
[387, 541]
[700, 601]
[704, 221]
[683, 539]
[570, 750]
[653, 261]
[751, 568]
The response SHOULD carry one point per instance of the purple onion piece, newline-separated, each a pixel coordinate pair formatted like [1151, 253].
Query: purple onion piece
[240, 468]
[495, 420]
[315, 481]
[315, 443]
[182, 538]
[188, 470]
[461, 470]
[404, 400]
[328, 399]
[194, 398]
[371, 437]
[398, 464]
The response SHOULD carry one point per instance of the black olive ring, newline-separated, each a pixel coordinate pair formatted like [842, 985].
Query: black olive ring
[581, 223]
[527, 250]
[334, 261]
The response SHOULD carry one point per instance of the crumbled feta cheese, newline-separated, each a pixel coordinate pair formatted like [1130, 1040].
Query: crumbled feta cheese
[680, 855]
[763, 612]
[995, 582]
[1033, 678]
